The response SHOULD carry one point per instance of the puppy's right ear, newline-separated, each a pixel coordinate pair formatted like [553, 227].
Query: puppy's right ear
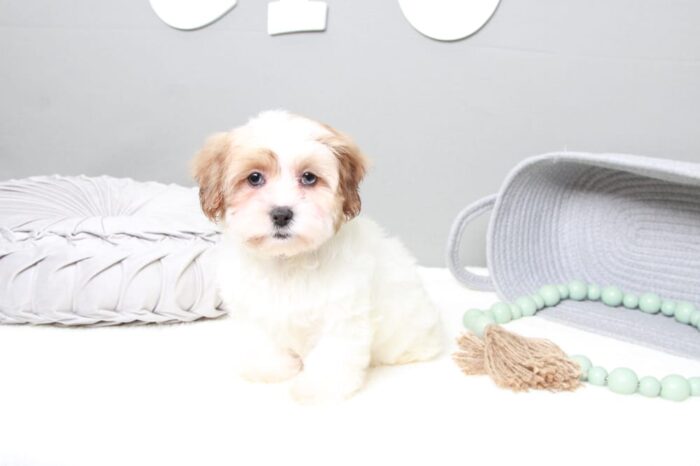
[208, 168]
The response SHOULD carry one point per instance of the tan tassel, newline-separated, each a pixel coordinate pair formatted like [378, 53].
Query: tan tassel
[471, 358]
[517, 362]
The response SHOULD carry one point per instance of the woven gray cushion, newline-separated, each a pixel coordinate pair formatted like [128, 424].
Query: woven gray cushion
[79, 251]
[610, 219]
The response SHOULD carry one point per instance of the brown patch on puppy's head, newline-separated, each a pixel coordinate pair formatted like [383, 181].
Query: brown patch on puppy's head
[353, 165]
[209, 169]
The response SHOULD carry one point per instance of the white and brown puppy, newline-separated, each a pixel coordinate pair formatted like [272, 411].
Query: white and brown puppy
[317, 294]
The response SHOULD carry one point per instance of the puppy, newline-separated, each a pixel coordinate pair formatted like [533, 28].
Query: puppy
[318, 295]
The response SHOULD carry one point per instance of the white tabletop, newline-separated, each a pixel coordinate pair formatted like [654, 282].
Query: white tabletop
[166, 395]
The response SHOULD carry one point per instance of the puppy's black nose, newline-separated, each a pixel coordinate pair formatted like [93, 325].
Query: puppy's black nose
[281, 216]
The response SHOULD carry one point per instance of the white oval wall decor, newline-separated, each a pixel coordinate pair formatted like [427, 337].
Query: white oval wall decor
[448, 19]
[191, 14]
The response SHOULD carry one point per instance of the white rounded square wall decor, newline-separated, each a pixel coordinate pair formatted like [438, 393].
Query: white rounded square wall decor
[448, 20]
[285, 16]
[191, 14]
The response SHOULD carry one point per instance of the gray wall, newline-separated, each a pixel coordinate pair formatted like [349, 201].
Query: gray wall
[104, 87]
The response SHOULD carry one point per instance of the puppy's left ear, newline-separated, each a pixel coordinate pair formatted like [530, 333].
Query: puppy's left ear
[353, 166]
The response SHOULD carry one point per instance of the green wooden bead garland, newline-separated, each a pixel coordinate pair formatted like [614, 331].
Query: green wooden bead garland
[620, 380]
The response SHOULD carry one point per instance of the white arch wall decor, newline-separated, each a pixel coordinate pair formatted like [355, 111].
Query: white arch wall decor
[191, 14]
[448, 20]
[284, 16]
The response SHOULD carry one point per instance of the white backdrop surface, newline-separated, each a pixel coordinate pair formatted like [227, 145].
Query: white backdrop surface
[167, 395]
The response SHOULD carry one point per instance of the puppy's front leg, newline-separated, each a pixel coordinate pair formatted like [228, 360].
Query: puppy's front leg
[259, 358]
[336, 367]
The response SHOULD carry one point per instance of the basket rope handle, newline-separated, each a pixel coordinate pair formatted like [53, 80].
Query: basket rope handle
[469, 213]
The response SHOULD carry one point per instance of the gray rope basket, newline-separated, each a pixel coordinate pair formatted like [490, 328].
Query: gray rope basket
[609, 219]
[104, 251]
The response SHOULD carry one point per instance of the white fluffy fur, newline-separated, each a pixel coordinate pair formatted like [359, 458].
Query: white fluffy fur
[321, 314]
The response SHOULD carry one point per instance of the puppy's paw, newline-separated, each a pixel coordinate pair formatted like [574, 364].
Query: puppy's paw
[317, 387]
[270, 368]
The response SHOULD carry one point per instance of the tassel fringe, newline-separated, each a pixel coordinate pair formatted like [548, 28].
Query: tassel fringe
[517, 362]
[471, 358]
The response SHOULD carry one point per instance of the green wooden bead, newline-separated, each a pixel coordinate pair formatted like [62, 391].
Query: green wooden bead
[550, 295]
[683, 312]
[668, 308]
[515, 311]
[649, 386]
[470, 315]
[578, 290]
[695, 318]
[597, 375]
[480, 323]
[694, 386]
[563, 291]
[527, 305]
[649, 303]
[611, 296]
[489, 313]
[538, 300]
[593, 292]
[675, 388]
[630, 301]
[501, 312]
[584, 363]
[623, 380]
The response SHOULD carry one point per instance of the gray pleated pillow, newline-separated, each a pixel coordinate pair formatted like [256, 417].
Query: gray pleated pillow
[80, 250]
[609, 219]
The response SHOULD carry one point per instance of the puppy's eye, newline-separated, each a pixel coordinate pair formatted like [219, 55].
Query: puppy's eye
[256, 179]
[308, 179]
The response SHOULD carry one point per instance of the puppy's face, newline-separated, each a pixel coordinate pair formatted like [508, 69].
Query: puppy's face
[282, 184]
